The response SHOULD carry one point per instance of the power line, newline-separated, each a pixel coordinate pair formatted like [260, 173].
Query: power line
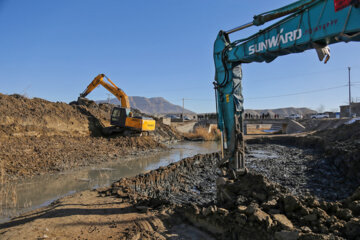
[199, 99]
[298, 75]
[191, 99]
[298, 93]
[275, 96]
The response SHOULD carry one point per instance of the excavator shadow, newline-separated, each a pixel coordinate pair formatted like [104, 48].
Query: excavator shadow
[95, 125]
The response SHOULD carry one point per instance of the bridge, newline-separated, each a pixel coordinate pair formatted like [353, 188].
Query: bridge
[271, 126]
[257, 125]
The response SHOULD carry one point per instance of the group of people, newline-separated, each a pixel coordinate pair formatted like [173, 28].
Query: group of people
[261, 116]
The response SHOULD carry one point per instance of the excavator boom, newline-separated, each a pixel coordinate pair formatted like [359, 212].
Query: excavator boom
[111, 87]
[308, 24]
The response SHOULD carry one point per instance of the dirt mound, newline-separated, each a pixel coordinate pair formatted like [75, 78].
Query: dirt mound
[346, 133]
[21, 116]
[321, 124]
[251, 207]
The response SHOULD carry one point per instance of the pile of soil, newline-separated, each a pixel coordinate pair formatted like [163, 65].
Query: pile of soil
[21, 116]
[348, 134]
[321, 124]
[342, 148]
[39, 136]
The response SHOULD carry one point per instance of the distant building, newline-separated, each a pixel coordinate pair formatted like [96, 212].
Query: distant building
[331, 114]
[355, 109]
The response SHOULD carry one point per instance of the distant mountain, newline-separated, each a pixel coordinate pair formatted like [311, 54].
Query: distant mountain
[281, 111]
[156, 105]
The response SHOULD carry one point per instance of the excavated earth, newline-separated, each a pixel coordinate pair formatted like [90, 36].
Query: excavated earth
[297, 187]
[310, 191]
[283, 196]
[38, 136]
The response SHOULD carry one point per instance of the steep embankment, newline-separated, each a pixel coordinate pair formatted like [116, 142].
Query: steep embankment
[37, 117]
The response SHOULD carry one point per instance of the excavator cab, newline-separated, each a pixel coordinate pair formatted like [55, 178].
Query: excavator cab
[124, 118]
[118, 116]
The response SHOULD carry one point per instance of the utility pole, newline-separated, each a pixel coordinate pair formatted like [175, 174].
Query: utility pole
[182, 116]
[349, 68]
[108, 98]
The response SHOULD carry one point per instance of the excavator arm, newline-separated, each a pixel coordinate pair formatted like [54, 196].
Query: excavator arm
[111, 87]
[307, 24]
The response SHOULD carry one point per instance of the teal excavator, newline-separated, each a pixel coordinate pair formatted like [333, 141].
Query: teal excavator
[305, 24]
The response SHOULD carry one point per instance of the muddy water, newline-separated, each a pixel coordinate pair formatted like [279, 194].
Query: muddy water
[29, 194]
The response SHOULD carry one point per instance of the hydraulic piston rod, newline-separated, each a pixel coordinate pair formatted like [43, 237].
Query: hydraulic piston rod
[239, 28]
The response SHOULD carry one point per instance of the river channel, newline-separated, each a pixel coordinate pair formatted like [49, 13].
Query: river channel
[39, 191]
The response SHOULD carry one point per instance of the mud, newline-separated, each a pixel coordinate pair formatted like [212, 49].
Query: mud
[303, 171]
[339, 150]
[251, 207]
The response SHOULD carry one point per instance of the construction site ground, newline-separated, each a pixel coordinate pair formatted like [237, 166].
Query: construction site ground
[300, 186]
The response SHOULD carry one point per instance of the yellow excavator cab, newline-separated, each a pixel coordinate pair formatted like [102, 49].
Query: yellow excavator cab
[121, 117]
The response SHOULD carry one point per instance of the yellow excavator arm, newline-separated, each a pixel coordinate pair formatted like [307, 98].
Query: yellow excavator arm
[111, 87]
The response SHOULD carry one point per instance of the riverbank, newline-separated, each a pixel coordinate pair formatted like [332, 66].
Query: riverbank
[29, 193]
[30, 156]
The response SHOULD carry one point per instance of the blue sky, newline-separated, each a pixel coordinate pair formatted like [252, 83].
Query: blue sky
[53, 49]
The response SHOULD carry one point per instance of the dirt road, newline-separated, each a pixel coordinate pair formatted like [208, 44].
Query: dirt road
[85, 215]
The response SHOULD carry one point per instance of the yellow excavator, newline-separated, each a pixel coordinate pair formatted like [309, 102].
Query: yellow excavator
[122, 120]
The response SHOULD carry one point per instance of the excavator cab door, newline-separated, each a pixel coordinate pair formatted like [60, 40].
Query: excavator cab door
[118, 116]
